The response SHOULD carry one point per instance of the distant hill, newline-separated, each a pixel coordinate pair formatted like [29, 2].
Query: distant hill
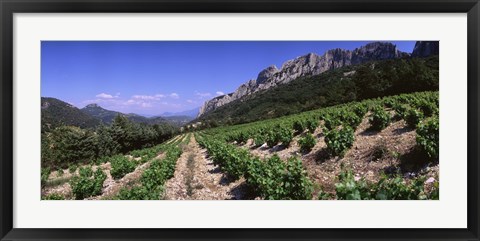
[178, 120]
[346, 84]
[98, 112]
[57, 113]
[188, 113]
[107, 116]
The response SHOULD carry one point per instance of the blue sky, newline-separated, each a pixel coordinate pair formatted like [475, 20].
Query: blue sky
[150, 78]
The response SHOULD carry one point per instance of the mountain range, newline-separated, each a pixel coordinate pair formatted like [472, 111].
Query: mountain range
[190, 113]
[57, 113]
[313, 64]
[107, 116]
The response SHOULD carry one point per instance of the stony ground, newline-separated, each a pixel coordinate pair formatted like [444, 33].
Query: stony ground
[197, 178]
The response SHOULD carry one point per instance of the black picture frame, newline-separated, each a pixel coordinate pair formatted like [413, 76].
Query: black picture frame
[9, 7]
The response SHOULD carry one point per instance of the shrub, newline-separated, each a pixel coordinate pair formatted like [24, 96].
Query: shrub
[139, 193]
[121, 165]
[331, 122]
[435, 192]
[400, 111]
[295, 182]
[88, 183]
[86, 171]
[428, 137]
[379, 119]
[389, 102]
[271, 139]
[72, 168]
[429, 108]
[348, 188]
[284, 135]
[397, 189]
[60, 172]
[145, 154]
[241, 137]
[44, 175]
[100, 161]
[413, 117]
[154, 176]
[54, 196]
[307, 143]
[235, 165]
[360, 110]
[312, 124]
[275, 179]
[339, 141]
[158, 173]
[258, 139]
[324, 195]
[299, 126]
[351, 119]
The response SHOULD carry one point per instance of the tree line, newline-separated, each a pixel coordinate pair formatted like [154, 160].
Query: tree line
[67, 145]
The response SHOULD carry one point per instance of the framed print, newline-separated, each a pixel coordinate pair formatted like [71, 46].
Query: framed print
[259, 120]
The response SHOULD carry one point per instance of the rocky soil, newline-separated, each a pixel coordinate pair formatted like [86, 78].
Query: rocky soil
[391, 150]
[197, 178]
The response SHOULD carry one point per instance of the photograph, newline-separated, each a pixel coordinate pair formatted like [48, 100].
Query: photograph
[240, 120]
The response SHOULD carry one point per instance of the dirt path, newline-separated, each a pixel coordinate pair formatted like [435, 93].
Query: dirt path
[197, 178]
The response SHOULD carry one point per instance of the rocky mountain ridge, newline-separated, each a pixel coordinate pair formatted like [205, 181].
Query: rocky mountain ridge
[426, 48]
[307, 65]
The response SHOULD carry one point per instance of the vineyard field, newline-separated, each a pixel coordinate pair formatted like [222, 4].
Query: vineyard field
[376, 149]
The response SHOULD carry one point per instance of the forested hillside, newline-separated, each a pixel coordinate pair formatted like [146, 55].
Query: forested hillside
[57, 113]
[351, 83]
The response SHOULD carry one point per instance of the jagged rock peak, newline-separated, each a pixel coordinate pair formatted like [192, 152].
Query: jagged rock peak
[94, 105]
[266, 73]
[425, 48]
[307, 65]
[308, 59]
[376, 51]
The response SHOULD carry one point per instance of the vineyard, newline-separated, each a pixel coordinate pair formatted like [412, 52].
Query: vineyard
[385, 148]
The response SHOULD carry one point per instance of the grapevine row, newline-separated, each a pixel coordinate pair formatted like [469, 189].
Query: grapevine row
[153, 179]
[271, 178]
[419, 110]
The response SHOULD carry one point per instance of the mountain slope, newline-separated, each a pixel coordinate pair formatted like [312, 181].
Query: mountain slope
[307, 65]
[426, 48]
[350, 83]
[98, 112]
[57, 113]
